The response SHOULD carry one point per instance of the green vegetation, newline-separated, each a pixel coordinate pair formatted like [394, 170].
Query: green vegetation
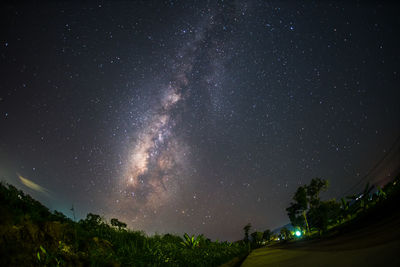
[308, 213]
[257, 239]
[285, 234]
[311, 217]
[366, 233]
[307, 205]
[32, 235]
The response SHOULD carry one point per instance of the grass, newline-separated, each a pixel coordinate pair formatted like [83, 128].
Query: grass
[32, 235]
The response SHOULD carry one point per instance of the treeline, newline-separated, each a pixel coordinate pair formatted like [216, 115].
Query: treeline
[32, 235]
[310, 216]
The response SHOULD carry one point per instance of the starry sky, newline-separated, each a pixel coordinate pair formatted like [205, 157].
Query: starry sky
[195, 116]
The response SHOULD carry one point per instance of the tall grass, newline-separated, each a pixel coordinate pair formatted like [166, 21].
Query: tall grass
[32, 229]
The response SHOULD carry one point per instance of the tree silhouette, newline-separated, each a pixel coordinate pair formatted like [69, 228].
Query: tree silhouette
[316, 186]
[246, 230]
[305, 199]
[285, 234]
[92, 221]
[297, 210]
[326, 213]
[116, 223]
[267, 235]
[256, 238]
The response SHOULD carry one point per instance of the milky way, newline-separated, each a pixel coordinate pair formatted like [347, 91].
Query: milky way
[155, 170]
[156, 155]
[195, 116]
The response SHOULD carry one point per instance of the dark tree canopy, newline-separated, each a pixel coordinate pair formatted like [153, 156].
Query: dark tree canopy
[246, 230]
[116, 223]
[306, 199]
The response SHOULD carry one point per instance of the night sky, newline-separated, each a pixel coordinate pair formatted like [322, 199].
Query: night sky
[195, 117]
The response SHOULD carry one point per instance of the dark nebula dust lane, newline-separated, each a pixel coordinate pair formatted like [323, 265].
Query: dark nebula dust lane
[158, 161]
[196, 116]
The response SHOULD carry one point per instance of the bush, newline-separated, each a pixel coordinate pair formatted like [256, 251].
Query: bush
[35, 236]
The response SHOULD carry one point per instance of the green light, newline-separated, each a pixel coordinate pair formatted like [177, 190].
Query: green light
[298, 233]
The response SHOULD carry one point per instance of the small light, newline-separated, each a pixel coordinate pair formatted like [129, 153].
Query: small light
[298, 233]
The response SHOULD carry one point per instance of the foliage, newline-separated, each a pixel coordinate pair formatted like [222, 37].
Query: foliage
[297, 210]
[324, 214]
[344, 209]
[365, 196]
[21, 204]
[116, 223]
[381, 193]
[285, 234]
[32, 235]
[267, 235]
[316, 186]
[257, 239]
[246, 230]
[35, 236]
[191, 241]
[307, 211]
[306, 199]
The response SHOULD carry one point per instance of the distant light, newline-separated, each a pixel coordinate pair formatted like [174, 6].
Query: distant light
[298, 233]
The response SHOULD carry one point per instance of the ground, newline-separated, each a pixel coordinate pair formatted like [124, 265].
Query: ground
[376, 242]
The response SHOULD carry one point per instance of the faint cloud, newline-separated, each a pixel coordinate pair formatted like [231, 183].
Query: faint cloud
[32, 185]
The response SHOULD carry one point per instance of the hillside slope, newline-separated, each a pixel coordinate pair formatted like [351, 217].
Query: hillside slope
[31, 235]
